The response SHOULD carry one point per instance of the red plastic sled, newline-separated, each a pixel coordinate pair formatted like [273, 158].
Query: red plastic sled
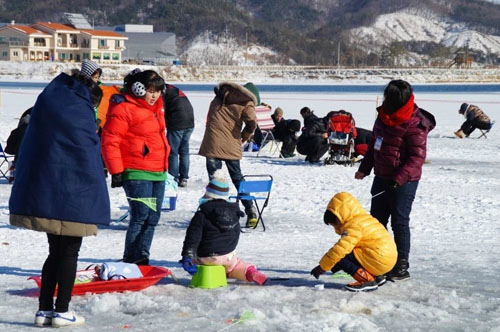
[151, 275]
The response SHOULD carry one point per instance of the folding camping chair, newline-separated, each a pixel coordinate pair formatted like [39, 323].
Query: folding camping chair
[266, 125]
[255, 188]
[5, 161]
[485, 131]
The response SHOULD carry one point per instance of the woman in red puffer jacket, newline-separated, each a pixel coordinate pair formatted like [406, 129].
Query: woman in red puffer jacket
[135, 150]
[397, 153]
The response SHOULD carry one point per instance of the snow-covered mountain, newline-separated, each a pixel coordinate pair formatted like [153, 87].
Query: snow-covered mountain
[427, 27]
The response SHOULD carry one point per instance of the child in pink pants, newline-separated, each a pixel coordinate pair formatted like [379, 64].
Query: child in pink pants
[213, 234]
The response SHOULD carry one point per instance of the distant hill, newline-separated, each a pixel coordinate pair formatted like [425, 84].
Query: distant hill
[308, 32]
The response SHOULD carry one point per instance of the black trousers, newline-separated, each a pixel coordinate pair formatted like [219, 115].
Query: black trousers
[469, 126]
[314, 148]
[59, 269]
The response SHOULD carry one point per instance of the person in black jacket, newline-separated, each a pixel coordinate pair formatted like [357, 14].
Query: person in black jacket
[362, 140]
[15, 139]
[214, 232]
[180, 124]
[284, 130]
[313, 140]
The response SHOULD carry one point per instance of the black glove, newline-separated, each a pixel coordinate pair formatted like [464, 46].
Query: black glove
[392, 186]
[116, 180]
[317, 271]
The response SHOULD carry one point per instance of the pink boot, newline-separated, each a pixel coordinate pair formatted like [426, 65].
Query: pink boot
[253, 275]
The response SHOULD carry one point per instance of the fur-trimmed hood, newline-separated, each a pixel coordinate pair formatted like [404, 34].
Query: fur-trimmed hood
[234, 93]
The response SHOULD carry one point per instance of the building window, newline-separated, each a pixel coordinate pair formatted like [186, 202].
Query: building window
[103, 43]
[40, 42]
[116, 56]
[86, 56]
[105, 56]
[96, 56]
[4, 54]
[62, 56]
[15, 53]
[117, 43]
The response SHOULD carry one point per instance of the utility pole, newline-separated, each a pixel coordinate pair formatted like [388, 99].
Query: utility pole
[338, 55]
[246, 47]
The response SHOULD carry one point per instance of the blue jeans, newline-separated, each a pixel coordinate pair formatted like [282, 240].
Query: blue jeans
[395, 204]
[143, 219]
[178, 160]
[233, 166]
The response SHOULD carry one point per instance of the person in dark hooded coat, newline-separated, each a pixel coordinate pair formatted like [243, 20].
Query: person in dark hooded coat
[214, 232]
[313, 140]
[60, 187]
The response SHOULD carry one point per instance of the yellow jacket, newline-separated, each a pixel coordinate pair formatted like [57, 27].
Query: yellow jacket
[361, 234]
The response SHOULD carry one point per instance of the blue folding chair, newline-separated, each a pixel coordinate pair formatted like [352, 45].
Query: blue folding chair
[5, 161]
[255, 188]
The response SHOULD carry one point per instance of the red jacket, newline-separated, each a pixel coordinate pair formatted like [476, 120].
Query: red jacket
[403, 149]
[134, 135]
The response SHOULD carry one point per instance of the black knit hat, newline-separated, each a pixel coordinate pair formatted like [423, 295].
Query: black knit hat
[463, 108]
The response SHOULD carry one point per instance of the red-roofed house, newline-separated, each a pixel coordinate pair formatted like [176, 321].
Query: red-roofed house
[44, 41]
[24, 43]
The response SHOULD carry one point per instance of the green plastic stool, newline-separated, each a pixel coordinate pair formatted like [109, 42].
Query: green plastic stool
[209, 276]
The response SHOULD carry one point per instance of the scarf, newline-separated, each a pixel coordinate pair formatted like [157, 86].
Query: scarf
[400, 116]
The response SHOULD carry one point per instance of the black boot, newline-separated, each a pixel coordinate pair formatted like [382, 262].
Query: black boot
[400, 270]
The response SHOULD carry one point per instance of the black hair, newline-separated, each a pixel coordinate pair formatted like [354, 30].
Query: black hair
[95, 90]
[294, 125]
[396, 94]
[305, 110]
[149, 78]
[98, 70]
[329, 218]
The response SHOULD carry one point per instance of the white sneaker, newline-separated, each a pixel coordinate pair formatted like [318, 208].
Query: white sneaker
[68, 318]
[43, 318]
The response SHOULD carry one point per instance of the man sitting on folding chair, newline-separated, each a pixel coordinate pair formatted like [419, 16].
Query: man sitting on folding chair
[475, 118]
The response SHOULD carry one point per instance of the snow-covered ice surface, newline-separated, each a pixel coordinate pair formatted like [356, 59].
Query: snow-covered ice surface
[454, 259]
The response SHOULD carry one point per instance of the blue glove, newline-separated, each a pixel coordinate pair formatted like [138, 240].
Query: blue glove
[188, 265]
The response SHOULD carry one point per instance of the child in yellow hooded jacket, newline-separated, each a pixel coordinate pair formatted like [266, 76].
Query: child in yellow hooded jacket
[365, 249]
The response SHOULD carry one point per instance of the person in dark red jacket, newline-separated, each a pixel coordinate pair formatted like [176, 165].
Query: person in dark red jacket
[135, 150]
[397, 153]
[180, 124]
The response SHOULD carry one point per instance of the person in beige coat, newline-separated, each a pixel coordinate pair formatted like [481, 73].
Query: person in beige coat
[231, 121]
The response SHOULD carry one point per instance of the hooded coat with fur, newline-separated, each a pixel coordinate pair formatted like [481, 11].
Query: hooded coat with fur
[232, 107]
[362, 234]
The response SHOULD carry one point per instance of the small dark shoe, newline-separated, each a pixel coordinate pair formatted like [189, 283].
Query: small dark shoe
[400, 271]
[381, 279]
[362, 286]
